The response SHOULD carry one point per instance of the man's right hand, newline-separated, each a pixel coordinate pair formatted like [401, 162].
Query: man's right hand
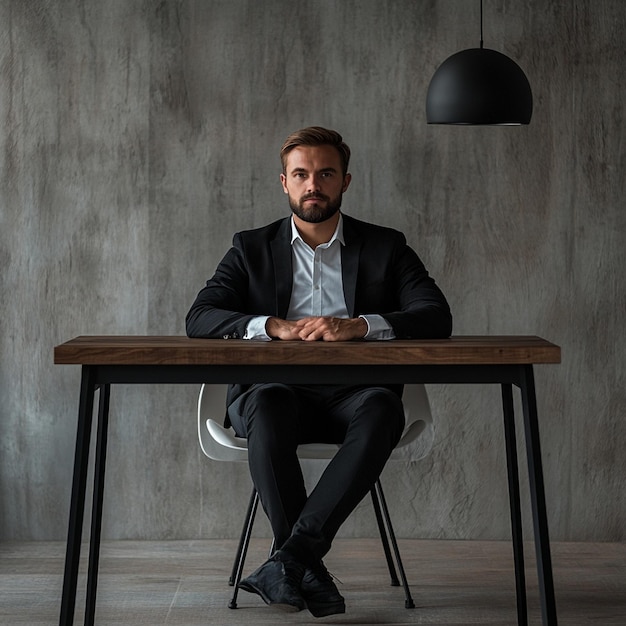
[277, 328]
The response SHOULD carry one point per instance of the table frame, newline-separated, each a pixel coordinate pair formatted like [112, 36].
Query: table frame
[509, 370]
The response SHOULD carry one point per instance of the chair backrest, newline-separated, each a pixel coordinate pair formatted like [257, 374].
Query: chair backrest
[217, 442]
[222, 444]
[419, 429]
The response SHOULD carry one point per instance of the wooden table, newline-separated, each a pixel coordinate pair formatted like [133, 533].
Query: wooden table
[507, 361]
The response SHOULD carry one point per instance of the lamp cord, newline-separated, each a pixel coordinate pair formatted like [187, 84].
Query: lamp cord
[481, 23]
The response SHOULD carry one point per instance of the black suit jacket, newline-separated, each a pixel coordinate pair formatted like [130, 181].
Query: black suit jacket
[381, 274]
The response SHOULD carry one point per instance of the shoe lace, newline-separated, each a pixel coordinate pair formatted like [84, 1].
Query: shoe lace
[322, 573]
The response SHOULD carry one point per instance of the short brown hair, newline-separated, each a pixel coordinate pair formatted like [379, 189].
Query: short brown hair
[316, 136]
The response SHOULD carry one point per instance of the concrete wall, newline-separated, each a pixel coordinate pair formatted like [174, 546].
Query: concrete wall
[138, 136]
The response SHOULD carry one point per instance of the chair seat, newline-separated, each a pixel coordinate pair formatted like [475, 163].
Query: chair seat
[227, 438]
[222, 444]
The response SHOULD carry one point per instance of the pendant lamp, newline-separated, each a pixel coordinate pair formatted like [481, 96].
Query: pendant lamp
[479, 86]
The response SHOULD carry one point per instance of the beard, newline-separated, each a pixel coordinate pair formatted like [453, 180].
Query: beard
[315, 213]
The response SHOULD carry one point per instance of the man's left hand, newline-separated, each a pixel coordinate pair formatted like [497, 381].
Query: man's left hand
[331, 328]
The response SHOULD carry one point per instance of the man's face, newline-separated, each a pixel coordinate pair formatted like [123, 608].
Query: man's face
[314, 182]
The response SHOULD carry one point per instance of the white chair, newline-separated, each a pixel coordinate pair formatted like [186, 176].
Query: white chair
[222, 444]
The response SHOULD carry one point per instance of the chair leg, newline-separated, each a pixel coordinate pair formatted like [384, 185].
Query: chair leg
[246, 522]
[242, 550]
[395, 582]
[386, 533]
[408, 603]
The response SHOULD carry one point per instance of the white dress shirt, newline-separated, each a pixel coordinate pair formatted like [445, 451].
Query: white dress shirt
[318, 287]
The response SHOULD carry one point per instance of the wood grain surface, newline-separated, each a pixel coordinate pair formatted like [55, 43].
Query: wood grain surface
[177, 350]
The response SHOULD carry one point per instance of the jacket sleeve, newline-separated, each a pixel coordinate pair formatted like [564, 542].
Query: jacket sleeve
[422, 310]
[219, 308]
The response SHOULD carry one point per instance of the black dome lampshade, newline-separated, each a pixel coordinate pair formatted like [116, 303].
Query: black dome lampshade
[479, 86]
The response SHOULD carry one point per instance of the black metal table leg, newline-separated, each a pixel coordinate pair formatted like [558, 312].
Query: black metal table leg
[538, 496]
[96, 511]
[514, 503]
[77, 502]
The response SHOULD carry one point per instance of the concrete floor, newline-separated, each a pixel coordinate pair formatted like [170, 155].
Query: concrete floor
[185, 583]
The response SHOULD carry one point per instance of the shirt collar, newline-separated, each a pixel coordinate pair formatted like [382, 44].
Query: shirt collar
[337, 235]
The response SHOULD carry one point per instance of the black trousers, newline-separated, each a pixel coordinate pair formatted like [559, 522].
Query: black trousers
[276, 418]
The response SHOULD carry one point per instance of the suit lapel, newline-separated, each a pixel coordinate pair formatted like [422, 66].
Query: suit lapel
[283, 272]
[350, 254]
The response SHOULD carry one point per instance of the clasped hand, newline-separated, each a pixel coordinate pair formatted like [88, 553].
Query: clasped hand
[317, 329]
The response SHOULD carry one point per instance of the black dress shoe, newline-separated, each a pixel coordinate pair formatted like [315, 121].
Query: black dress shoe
[278, 582]
[320, 592]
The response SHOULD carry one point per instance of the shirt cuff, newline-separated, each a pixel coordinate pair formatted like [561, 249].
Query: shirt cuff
[378, 328]
[255, 329]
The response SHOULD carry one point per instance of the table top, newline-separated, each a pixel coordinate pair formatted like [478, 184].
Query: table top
[180, 350]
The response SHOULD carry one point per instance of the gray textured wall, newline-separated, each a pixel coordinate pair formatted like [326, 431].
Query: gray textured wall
[138, 136]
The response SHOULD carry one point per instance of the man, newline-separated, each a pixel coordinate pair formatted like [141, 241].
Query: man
[318, 275]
